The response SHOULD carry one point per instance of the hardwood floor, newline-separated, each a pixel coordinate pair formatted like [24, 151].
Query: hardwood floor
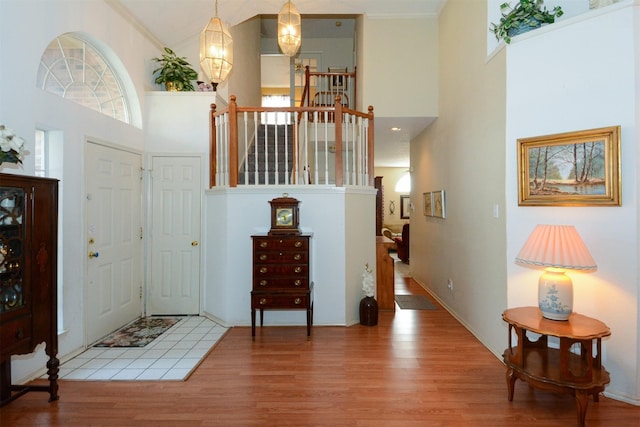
[415, 368]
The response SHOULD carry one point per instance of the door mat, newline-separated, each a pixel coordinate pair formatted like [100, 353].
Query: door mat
[138, 333]
[415, 302]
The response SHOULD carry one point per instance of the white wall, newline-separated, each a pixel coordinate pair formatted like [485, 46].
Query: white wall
[462, 152]
[244, 79]
[334, 51]
[341, 222]
[398, 64]
[636, 36]
[25, 108]
[275, 70]
[575, 76]
[178, 122]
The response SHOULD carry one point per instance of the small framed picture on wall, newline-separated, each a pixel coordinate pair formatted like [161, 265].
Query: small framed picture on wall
[428, 203]
[438, 204]
[405, 207]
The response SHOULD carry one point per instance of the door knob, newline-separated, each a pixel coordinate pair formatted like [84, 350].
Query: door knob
[93, 254]
[194, 243]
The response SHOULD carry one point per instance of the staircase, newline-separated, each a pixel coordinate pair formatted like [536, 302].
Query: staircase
[273, 148]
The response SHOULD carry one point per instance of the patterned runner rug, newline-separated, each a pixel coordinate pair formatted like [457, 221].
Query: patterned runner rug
[138, 333]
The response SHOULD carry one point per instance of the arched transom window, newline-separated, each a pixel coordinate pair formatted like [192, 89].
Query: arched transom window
[73, 68]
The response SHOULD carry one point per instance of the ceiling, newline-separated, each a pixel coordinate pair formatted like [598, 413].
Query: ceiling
[174, 22]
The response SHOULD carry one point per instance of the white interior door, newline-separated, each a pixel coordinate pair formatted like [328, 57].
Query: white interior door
[300, 62]
[114, 246]
[174, 287]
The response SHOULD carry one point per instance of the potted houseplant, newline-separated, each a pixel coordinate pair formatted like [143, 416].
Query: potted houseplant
[524, 16]
[174, 71]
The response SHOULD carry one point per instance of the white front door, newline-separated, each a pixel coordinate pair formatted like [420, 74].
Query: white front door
[176, 190]
[114, 245]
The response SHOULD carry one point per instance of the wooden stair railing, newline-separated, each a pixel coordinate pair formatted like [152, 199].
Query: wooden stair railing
[224, 158]
[323, 84]
[226, 163]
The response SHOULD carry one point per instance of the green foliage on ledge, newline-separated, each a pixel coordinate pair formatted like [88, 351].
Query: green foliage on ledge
[525, 16]
[174, 71]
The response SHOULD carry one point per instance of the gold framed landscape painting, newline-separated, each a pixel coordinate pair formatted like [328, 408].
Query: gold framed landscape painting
[570, 169]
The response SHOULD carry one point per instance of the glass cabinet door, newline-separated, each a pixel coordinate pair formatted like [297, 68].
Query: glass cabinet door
[12, 248]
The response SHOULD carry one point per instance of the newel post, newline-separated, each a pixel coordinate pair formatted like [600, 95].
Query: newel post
[305, 101]
[370, 147]
[212, 146]
[233, 142]
[338, 139]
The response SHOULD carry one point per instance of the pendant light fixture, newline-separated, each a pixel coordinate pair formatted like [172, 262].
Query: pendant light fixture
[216, 50]
[289, 29]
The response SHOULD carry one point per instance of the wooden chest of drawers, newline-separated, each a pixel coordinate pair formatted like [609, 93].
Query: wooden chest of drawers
[281, 276]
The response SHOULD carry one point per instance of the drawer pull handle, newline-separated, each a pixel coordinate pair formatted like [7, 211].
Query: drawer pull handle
[297, 282]
[19, 334]
[297, 301]
[263, 257]
[298, 244]
[298, 269]
[263, 283]
[263, 270]
[297, 257]
[263, 301]
[263, 244]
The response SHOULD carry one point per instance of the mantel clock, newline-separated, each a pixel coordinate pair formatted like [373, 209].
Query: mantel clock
[285, 216]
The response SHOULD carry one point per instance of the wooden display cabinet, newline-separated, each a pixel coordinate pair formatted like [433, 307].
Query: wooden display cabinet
[28, 272]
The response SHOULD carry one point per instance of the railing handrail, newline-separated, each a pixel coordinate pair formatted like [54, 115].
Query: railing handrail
[305, 99]
[232, 110]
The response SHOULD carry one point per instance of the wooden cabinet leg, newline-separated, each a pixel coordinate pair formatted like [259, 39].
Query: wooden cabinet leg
[253, 322]
[511, 382]
[309, 319]
[5, 381]
[582, 400]
[53, 366]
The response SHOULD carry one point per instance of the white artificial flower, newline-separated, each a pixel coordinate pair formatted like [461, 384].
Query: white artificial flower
[368, 285]
[11, 146]
[16, 143]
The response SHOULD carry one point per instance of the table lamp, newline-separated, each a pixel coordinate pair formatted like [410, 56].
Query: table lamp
[554, 249]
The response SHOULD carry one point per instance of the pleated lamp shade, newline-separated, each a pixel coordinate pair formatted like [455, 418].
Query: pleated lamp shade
[556, 248]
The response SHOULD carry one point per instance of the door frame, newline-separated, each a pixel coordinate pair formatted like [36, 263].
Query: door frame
[148, 204]
[85, 219]
[317, 55]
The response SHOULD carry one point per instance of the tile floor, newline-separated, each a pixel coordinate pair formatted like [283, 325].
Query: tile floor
[171, 356]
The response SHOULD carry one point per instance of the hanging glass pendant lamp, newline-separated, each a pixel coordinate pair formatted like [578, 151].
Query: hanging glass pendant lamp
[216, 50]
[289, 29]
